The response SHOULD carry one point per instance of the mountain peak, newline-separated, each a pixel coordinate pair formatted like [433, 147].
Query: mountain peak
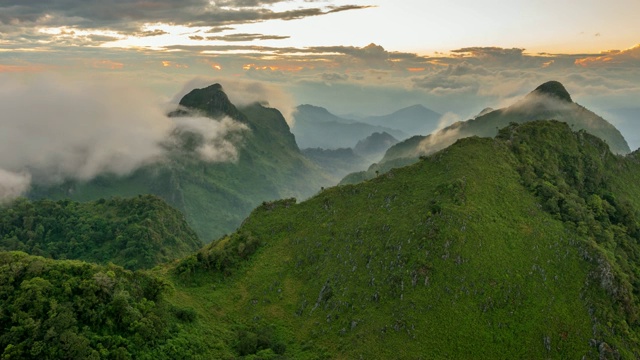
[555, 89]
[212, 100]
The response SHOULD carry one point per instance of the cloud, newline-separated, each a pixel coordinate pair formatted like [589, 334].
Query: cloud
[332, 77]
[54, 128]
[129, 16]
[218, 138]
[613, 58]
[372, 55]
[489, 52]
[442, 137]
[242, 37]
[12, 185]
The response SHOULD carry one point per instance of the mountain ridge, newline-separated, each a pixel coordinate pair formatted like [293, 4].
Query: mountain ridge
[548, 101]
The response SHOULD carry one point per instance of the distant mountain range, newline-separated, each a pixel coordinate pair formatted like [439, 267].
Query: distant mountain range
[316, 127]
[412, 120]
[549, 101]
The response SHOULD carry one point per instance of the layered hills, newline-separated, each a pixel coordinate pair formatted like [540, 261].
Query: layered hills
[520, 246]
[412, 120]
[214, 196]
[548, 101]
[316, 127]
[523, 245]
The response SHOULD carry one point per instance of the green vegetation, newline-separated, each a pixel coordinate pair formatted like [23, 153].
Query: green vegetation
[521, 246]
[140, 232]
[55, 309]
[215, 197]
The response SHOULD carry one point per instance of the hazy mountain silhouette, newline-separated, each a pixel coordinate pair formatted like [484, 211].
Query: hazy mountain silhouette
[413, 120]
[316, 127]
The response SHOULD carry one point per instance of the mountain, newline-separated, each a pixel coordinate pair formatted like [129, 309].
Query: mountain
[337, 163]
[375, 145]
[413, 120]
[519, 246]
[526, 245]
[549, 101]
[214, 196]
[135, 233]
[316, 127]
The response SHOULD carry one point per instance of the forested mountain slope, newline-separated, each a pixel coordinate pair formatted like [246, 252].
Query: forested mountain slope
[521, 246]
[214, 196]
[135, 233]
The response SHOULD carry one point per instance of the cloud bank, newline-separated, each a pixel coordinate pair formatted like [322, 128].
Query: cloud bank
[53, 129]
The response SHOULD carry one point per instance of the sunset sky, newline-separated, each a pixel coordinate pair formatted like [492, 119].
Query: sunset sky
[353, 57]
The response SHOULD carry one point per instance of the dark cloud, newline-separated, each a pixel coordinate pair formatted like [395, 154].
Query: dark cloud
[128, 16]
[246, 3]
[156, 32]
[245, 37]
[331, 77]
[489, 52]
[219, 29]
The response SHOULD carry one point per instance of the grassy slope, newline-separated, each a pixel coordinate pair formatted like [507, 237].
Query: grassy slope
[482, 250]
[451, 257]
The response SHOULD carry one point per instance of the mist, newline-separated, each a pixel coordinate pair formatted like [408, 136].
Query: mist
[442, 137]
[53, 128]
[13, 185]
[220, 137]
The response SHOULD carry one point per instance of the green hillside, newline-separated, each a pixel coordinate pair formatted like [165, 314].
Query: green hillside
[521, 246]
[548, 101]
[215, 197]
[524, 246]
[139, 232]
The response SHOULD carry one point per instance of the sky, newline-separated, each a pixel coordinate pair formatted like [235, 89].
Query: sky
[357, 57]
